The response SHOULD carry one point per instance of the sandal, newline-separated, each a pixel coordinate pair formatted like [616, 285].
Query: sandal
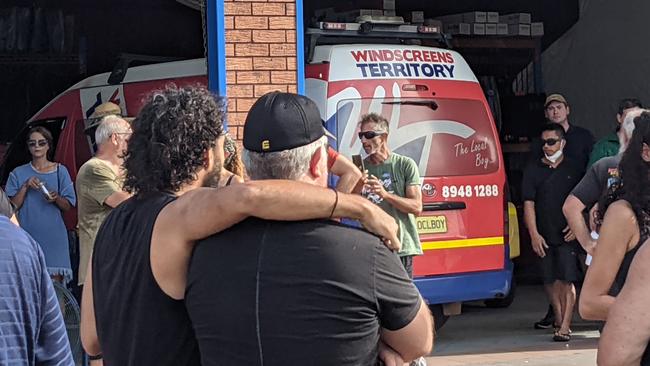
[556, 329]
[561, 337]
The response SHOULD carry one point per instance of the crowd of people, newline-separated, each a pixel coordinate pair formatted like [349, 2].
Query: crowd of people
[194, 251]
[586, 210]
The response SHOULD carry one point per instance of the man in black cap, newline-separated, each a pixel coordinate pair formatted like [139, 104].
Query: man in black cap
[299, 293]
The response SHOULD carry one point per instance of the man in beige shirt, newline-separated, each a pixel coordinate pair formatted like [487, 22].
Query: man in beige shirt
[99, 187]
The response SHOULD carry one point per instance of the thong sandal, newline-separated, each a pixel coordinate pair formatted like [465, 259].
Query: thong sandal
[561, 337]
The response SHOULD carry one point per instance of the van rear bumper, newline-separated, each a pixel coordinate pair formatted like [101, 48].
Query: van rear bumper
[465, 286]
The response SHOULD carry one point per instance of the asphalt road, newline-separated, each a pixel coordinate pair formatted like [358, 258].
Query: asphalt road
[496, 337]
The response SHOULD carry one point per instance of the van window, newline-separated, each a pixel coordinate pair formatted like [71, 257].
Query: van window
[445, 137]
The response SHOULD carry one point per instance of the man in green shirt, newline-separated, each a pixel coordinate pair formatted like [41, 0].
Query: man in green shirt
[610, 145]
[99, 185]
[393, 183]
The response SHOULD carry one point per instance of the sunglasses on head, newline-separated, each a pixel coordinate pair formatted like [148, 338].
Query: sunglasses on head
[34, 143]
[370, 134]
[550, 142]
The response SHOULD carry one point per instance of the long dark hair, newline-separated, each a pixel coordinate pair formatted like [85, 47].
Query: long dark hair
[48, 137]
[634, 186]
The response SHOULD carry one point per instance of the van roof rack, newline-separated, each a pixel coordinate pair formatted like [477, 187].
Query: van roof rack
[369, 30]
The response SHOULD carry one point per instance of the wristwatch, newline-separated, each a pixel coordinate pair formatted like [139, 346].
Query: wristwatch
[95, 357]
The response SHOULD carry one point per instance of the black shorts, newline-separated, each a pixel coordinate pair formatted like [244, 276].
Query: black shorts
[561, 263]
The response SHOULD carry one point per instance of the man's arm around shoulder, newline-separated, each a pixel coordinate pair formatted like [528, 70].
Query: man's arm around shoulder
[206, 211]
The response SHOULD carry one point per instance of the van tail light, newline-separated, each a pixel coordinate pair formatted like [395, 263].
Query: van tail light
[414, 87]
[428, 29]
[334, 26]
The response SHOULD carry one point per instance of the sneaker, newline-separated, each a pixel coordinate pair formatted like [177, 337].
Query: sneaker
[547, 321]
[544, 324]
[419, 362]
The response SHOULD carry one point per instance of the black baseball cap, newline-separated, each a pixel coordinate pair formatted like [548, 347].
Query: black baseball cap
[282, 121]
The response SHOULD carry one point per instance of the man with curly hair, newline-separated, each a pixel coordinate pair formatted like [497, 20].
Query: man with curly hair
[133, 297]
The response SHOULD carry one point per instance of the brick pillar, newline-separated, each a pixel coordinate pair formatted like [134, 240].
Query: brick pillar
[260, 53]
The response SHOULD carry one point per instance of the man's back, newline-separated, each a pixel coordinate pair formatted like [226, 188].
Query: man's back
[31, 327]
[311, 292]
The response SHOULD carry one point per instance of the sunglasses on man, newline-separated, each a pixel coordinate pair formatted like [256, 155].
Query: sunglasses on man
[550, 142]
[34, 143]
[370, 134]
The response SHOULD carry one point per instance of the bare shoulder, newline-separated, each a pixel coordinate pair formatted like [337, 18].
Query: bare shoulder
[620, 211]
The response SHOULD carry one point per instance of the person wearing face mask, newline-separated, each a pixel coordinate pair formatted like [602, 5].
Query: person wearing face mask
[578, 147]
[546, 185]
[579, 141]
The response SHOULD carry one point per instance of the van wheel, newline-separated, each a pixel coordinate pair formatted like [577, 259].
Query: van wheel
[439, 316]
[503, 302]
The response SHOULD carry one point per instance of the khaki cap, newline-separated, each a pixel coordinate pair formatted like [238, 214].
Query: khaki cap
[106, 109]
[555, 98]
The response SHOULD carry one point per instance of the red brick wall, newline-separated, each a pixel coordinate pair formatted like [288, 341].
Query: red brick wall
[260, 53]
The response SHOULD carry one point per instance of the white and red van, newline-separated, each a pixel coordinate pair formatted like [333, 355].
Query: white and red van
[438, 116]
[66, 116]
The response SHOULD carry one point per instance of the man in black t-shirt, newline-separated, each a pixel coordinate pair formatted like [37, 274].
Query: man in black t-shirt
[546, 185]
[579, 143]
[300, 293]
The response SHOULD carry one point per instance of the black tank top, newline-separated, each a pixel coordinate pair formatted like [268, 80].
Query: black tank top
[137, 323]
[619, 281]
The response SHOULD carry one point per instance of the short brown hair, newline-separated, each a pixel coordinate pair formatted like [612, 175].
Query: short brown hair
[376, 118]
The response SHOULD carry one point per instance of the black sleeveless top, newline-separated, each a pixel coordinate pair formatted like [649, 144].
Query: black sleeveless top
[137, 323]
[619, 281]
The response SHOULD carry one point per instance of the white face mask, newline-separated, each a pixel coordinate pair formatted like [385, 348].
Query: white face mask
[553, 158]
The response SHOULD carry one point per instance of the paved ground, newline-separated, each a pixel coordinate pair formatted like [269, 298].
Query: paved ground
[496, 337]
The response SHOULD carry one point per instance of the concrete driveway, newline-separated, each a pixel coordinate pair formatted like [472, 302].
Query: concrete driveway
[491, 337]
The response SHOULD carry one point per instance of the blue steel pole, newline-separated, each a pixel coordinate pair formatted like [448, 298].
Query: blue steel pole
[300, 48]
[216, 34]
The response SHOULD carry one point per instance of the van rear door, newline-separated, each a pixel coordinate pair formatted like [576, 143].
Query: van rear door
[454, 143]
